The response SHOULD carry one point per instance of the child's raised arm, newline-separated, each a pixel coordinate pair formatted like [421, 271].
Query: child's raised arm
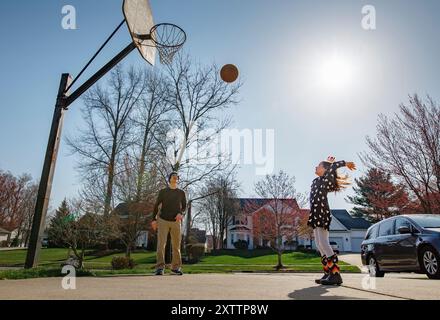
[334, 166]
[329, 176]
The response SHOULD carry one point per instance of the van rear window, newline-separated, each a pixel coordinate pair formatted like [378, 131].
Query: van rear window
[372, 233]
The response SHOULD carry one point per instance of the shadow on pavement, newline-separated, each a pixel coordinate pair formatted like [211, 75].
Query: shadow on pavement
[317, 293]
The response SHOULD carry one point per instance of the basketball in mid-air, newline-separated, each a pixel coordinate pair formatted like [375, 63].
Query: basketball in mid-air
[229, 73]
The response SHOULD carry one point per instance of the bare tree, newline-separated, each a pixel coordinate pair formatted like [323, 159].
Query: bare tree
[304, 230]
[107, 133]
[17, 203]
[149, 123]
[78, 229]
[197, 96]
[216, 210]
[134, 214]
[276, 220]
[132, 220]
[150, 119]
[27, 213]
[408, 147]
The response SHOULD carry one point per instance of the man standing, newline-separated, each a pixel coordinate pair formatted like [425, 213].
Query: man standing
[173, 205]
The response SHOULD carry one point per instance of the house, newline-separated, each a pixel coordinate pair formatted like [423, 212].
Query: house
[246, 225]
[131, 212]
[15, 238]
[209, 244]
[348, 232]
[142, 239]
[240, 223]
[5, 236]
[199, 235]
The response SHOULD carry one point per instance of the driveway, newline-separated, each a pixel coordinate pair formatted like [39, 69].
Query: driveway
[298, 286]
[353, 259]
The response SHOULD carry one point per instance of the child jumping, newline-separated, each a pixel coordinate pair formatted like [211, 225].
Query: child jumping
[320, 217]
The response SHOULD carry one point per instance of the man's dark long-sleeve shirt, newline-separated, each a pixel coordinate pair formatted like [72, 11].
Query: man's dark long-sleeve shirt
[173, 203]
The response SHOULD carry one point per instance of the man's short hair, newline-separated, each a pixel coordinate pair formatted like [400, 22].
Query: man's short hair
[174, 173]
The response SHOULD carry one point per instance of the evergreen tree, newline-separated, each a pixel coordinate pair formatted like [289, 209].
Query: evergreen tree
[378, 197]
[59, 223]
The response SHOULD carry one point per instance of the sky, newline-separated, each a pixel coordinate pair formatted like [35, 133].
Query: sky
[311, 73]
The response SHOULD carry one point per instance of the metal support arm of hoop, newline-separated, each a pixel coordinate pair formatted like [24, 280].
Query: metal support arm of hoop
[143, 37]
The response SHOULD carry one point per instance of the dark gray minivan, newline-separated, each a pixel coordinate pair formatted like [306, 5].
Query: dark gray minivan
[406, 243]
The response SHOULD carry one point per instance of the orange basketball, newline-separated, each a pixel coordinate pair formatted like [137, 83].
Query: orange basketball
[229, 73]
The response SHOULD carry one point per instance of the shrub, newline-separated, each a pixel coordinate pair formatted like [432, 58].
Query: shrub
[14, 243]
[4, 244]
[120, 263]
[258, 247]
[241, 244]
[195, 252]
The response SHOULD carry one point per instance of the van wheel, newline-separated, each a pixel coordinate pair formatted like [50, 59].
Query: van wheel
[373, 268]
[430, 262]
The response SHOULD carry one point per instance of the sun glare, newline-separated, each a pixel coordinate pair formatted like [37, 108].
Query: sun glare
[334, 72]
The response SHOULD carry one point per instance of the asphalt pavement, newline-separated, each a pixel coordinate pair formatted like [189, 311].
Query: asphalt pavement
[299, 286]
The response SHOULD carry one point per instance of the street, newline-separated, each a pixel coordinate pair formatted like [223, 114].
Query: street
[253, 286]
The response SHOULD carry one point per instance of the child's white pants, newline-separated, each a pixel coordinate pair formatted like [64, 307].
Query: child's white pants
[323, 242]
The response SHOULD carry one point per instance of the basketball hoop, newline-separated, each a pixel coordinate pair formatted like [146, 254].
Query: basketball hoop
[168, 39]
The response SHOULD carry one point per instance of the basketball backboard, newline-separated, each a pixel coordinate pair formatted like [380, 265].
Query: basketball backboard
[139, 19]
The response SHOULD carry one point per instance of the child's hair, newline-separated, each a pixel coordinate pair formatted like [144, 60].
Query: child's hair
[339, 182]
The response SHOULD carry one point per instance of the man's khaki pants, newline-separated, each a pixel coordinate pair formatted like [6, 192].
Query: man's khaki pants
[163, 228]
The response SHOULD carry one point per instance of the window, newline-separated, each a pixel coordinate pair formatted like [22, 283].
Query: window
[369, 234]
[372, 233]
[386, 228]
[427, 221]
[402, 222]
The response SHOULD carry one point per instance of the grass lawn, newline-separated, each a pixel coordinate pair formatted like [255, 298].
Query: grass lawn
[18, 257]
[255, 257]
[225, 261]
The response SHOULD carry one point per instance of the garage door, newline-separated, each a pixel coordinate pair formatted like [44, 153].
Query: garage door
[356, 244]
[339, 241]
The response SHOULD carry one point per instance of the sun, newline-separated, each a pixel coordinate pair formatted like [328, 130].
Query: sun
[334, 72]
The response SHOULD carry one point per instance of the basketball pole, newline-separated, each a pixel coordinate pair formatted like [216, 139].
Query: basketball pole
[46, 179]
[64, 100]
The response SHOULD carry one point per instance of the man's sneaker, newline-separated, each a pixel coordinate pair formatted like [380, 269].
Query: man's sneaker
[177, 272]
[159, 272]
